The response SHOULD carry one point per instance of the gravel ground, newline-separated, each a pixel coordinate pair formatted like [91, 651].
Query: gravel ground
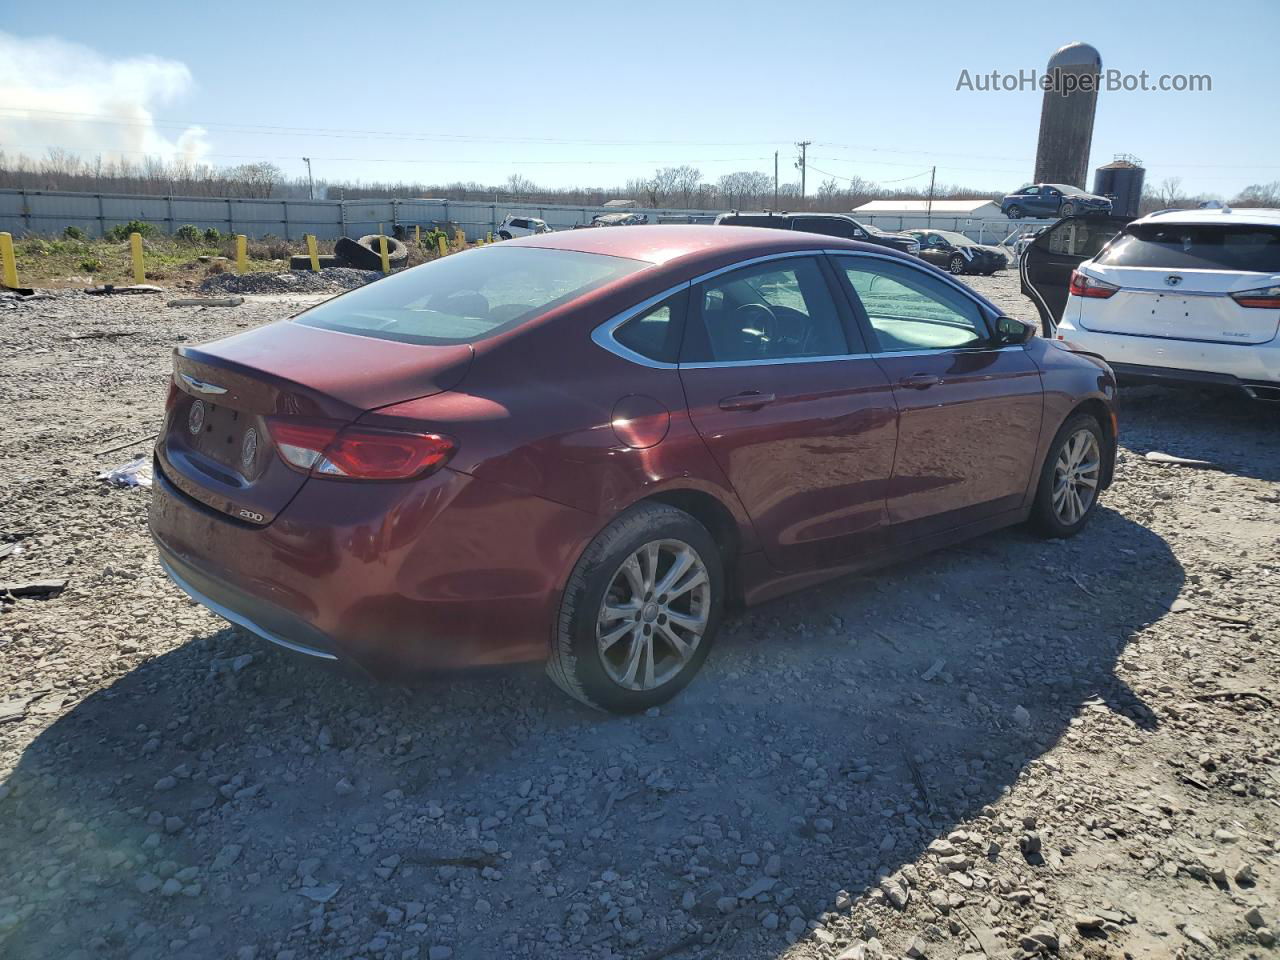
[1009, 748]
[328, 280]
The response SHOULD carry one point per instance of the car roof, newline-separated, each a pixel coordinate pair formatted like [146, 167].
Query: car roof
[1249, 215]
[664, 243]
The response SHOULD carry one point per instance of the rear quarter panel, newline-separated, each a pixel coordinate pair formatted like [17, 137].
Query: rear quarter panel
[1070, 381]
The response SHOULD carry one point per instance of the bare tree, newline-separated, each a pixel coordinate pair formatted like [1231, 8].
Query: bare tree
[1259, 195]
[518, 185]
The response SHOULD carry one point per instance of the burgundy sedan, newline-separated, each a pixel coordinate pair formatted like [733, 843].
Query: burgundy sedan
[583, 447]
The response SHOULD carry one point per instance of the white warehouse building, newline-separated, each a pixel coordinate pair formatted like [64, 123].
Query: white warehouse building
[943, 214]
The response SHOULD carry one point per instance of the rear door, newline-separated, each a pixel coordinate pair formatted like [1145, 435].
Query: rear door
[796, 413]
[969, 408]
[1045, 268]
[1176, 282]
[828, 226]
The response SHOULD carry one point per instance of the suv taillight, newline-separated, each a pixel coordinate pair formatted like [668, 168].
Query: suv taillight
[1264, 298]
[324, 448]
[1083, 285]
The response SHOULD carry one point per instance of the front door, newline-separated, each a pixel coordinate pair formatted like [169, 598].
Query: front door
[1046, 265]
[799, 417]
[969, 409]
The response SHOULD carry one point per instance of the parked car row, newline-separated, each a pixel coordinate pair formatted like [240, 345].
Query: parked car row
[1179, 296]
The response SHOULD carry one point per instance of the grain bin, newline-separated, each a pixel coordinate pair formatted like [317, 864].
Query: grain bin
[1121, 180]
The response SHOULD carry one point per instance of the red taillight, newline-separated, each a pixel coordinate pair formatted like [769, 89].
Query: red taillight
[1264, 298]
[174, 394]
[328, 449]
[1083, 285]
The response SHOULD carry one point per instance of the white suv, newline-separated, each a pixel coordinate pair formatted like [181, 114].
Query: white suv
[1189, 296]
[521, 227]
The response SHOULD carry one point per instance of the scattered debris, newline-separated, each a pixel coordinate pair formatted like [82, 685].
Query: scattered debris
[110, 288]
[1169, 460]
[33, 589]
[123, 446]
[206, 302]
[135, 473]
[328, 280]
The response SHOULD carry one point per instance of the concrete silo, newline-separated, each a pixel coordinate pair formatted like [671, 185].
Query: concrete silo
[1066, 118]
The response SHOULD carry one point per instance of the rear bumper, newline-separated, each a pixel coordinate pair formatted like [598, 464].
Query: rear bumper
[1191, 362]
[396, 578]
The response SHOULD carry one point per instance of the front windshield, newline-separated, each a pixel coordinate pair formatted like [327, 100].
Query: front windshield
[871, 228]
[955, 239]
[466, 296]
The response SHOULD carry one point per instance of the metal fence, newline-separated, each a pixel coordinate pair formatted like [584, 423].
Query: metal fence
[50, 212]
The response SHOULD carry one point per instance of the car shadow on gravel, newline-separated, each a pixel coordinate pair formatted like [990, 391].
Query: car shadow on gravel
[1230, 430]
[202, 804]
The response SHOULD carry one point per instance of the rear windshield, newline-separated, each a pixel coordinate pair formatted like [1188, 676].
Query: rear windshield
[468, 296]
[1180, 246]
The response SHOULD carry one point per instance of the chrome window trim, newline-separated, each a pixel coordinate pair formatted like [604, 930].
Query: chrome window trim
[602, 335]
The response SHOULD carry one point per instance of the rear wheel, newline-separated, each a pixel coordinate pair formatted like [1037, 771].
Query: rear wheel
[1071, 478]
[640, 611]
[1015, 212]
[956, 264]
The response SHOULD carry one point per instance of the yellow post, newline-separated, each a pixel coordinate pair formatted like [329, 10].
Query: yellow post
[488, 238]
[382, 251]
[417, 234]
[8, 263]
[311, 250]
[459, 238]
[135, 251]
[242, 253]
[444, 247]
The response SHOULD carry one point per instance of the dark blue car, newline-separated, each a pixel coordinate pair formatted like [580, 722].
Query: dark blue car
[1052, 200]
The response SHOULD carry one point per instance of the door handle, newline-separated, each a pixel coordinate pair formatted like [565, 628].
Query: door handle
[919, 381]
[747, 400]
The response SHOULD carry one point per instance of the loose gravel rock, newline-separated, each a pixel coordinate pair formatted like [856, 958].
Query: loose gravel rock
[1087, 772]
[295, 281]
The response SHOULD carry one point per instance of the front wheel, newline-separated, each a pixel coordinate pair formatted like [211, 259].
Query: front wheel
[640, 611]
[1071, 479]
[503, 235]
[956, 265]
[1014, 212]
[1066, 210]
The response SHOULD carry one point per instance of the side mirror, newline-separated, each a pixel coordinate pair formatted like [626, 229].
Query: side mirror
[1011, 332]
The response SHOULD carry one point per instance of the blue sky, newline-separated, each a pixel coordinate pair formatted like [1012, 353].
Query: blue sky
[596, 93]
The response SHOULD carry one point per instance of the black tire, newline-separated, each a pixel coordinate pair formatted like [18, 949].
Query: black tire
[1067, 209]
[503, 235]
[1014, 212]
[576, 663]
[363, 253]
[956, 265]
[1044, 518]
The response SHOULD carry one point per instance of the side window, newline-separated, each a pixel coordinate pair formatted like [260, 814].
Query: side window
[827, 226]
[654, 334]
[1031, 191]
[1076, 238]
[770, 311]
[912, 310]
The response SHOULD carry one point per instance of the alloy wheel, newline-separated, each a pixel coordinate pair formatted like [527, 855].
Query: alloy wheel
[1075, 476]
[653, 615]
[957, 264]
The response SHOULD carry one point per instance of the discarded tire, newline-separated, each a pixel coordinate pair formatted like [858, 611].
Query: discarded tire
[303, 262]
[363, 253]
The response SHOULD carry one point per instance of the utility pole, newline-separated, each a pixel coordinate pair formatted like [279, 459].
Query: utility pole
[933, 172]
[311, 184]
[803, 145]
[775, 180]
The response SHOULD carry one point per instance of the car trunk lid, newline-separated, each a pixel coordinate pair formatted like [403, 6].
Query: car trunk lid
[215, 444]
[1179, 304]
